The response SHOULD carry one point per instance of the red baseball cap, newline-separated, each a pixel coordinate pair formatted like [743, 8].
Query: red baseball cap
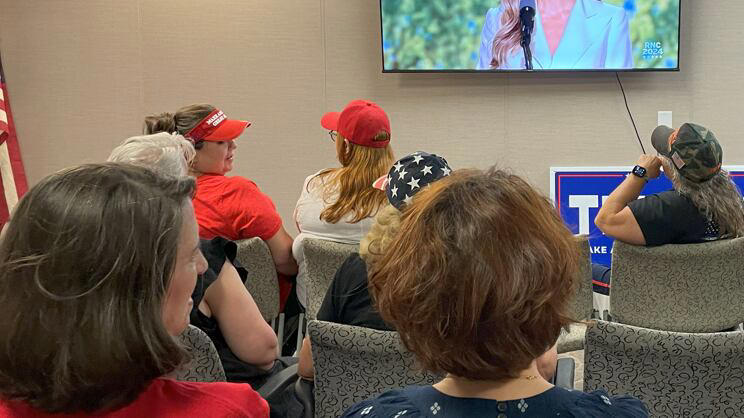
[360, 122]
[217, 127]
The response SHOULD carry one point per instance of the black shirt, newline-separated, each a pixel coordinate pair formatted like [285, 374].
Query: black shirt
[671, 218]
[216, 251]
[348, 301]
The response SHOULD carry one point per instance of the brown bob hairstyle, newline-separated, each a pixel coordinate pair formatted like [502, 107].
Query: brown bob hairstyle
[84, 268]
[478, 278]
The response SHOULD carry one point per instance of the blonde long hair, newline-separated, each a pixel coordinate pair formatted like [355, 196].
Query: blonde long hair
[507, 38]
[360, 167]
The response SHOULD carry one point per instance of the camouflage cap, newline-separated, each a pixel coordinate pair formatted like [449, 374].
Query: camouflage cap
[693, 149]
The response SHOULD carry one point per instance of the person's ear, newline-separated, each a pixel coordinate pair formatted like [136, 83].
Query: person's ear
[347, 148]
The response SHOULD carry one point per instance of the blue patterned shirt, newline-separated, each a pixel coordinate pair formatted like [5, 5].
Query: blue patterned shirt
[426, 401]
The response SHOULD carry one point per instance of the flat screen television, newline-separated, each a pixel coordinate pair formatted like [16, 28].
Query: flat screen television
[568, 35]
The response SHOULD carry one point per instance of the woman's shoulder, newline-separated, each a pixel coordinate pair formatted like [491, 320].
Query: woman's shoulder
[217, 250]
[239, 182]
[214, 399]
[394, 403]
[414, 401]
[318, 180]
[600, 403]
[605, 8]
[320, 174]
[354, 265]
[218, 185]
[243, 193]
[351, 274]
[494, 13]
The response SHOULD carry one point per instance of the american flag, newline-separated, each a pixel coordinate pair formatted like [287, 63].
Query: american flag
[12, 177]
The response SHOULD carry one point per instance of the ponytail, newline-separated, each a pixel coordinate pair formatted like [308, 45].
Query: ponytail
[163, 122]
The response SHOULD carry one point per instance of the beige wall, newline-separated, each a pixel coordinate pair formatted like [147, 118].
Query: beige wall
[83, 73]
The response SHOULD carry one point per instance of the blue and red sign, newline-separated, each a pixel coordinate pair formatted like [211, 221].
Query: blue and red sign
[578, 193]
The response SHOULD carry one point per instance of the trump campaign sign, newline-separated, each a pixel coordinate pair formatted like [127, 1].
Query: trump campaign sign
[579, 192]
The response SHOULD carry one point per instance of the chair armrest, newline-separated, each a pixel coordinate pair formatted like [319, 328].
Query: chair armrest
[304, 394]
[564, 373]
[277, 383]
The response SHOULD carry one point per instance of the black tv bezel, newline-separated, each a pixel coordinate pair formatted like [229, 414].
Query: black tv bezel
[473, 71]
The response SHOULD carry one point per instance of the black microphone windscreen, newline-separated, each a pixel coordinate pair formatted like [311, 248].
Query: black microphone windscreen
[527, 3]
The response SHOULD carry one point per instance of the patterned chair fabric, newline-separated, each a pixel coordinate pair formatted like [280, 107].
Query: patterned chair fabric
[254, 255]
[204, 363]
[581, 305]
[674, 374]
[679, 287]
[322, 259]
[353, 364]
[572, 340]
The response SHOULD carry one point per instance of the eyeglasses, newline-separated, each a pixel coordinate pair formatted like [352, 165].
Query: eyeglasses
[333, 135]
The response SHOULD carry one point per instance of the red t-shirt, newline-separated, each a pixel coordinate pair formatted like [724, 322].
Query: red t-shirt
[233, 208]
[171, 398]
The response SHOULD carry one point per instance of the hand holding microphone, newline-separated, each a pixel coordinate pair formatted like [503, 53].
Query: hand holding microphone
[527, 24]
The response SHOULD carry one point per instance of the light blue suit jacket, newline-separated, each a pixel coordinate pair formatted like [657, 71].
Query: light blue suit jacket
[596, 37]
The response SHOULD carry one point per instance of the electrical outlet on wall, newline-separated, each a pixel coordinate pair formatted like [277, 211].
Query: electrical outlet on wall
[665, 118]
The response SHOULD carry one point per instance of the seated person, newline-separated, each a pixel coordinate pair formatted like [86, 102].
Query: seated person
[96, 272]
[704, 205]
[230, 207]
[477, 281]
[347, 300]
[223, 308]
[337, 204]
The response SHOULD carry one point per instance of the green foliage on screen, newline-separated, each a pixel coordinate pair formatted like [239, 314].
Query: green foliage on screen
[445, 34]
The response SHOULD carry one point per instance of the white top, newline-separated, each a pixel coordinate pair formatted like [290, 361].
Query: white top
[307, 217]
[596, 36]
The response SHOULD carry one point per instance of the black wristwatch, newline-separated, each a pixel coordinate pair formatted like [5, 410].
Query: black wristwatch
[639, 171]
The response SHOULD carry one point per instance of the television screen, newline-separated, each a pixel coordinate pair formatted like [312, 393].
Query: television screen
[486, 35]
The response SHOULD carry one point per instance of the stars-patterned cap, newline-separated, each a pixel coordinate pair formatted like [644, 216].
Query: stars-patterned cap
[410, 174]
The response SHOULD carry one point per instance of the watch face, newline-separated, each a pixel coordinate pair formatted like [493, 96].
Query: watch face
[639, 171]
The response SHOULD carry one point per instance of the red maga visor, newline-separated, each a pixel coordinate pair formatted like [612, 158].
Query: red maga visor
[217, 127]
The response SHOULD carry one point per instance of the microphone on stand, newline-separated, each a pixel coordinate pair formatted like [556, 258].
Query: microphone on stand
[527, 24]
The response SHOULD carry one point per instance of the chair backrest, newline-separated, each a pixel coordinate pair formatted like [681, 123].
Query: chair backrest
[355, 363]
[581, 305]
[674, 374]
[254, 255]
[204, 363]
[679, 287]
[321, 260]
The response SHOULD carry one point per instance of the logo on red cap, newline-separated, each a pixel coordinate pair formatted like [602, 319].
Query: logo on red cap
[207, 125]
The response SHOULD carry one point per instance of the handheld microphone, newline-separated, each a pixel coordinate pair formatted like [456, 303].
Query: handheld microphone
[527, 24]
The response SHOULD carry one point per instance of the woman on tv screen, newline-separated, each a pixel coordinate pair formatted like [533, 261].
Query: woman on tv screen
[568, 34]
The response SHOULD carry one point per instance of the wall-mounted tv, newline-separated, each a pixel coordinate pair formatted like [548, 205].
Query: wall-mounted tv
[566, 35]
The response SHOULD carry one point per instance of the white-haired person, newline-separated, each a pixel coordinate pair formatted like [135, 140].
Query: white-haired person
[223, 307]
